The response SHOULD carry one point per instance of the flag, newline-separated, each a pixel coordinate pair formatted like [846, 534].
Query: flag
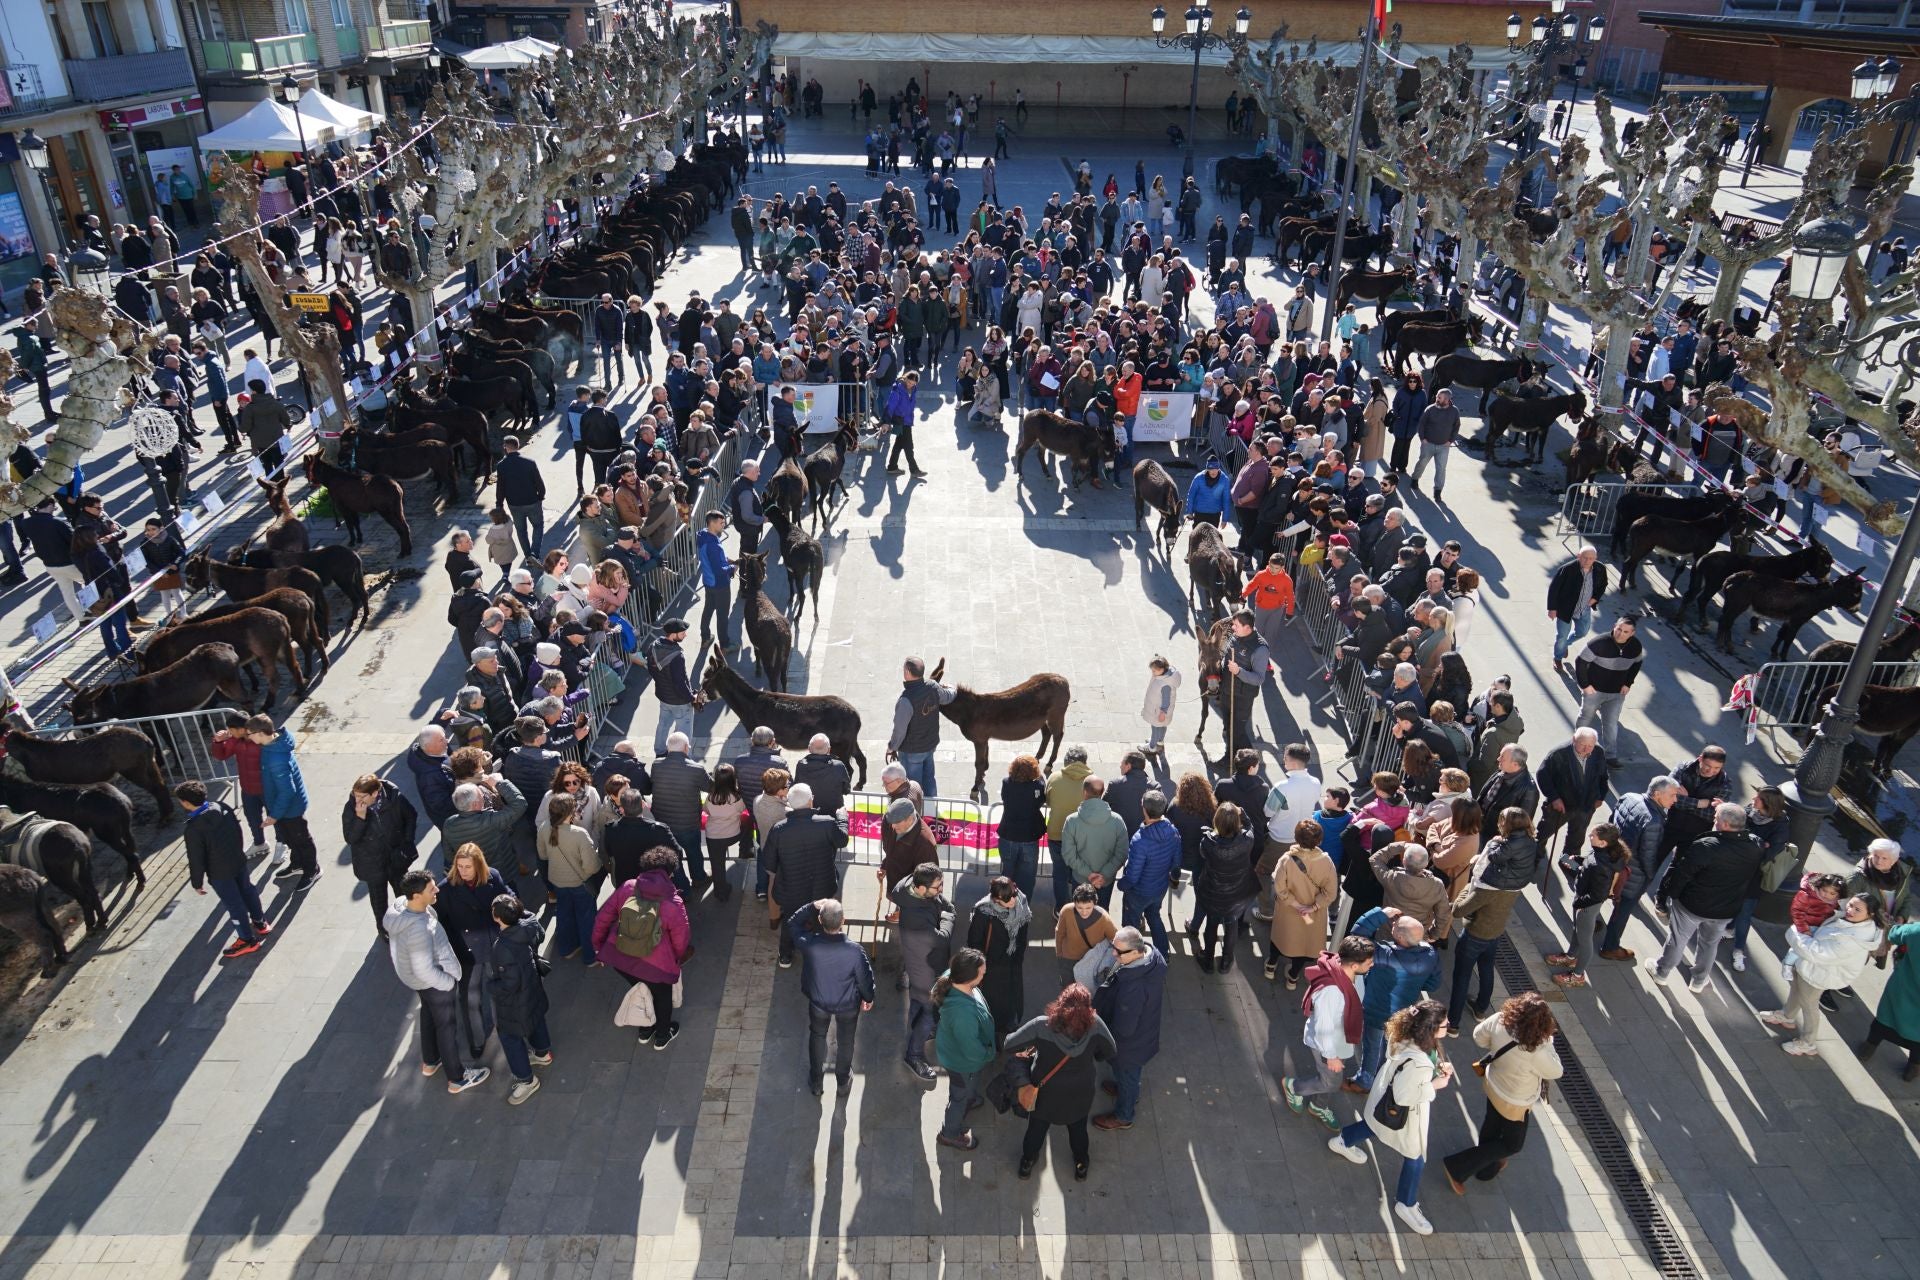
[1381, 8]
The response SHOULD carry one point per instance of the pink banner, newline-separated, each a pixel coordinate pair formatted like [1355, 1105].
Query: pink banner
[957, 826]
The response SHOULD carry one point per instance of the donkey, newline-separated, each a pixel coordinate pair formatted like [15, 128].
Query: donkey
[1084, 448]
[355, 495]
[338, 566]
[101, 756]
[1891, 711]
[1153, 487]
[767, 624]
[1794, 603]
[1531, 417]
[59, 851]
[1714, 568]
[286, 537]
[26, 910]
[1690, 538]
[100, 809]
[805, 560]
[788, 489]
[1011, 715]
[241, 583]
[1213, 572]
[825, 468]
[793, 717]
[187, 685]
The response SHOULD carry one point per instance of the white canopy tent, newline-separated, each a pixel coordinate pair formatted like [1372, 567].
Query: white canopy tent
[512, 55]
[269, 126]
[317, 107]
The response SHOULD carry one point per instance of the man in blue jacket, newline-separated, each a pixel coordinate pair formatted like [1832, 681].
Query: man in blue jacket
[1153, 855]
[900, 412]
[286, 801]
[523, 492]
[1642, 819]
[838, 982]
[1405, 969]
[1129, 1001]
[1209, 494]
[716, 576]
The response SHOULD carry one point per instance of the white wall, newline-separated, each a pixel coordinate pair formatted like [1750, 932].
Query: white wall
[30, 40]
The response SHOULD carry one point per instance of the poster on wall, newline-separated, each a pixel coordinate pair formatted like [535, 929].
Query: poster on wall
[159, 164]
[1164, 415]
[15, 240]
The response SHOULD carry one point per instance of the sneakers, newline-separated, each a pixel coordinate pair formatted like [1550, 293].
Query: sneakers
[1411, 1215]
[240, 947]
[257, 850]
[541, 1059]
[306, 882]
[430, 1069]
[1295, 1103]
[282, 854]
[1570, 979]
[1562, 960]
[1800, 1048]
[286, 872]
[262, 928]
[786, 962]
[1700, 981]
[1324, 1115]
[664, 1037]
[1339, 1147]
[1652, 968]
[1778, 1018]
[475, 1077]
[522, 1090]
[1739, 960]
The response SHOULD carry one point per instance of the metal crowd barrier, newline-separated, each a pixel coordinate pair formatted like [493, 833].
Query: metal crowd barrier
[184, 740]
[966, 831]
[1587, 510]
[1786, 695]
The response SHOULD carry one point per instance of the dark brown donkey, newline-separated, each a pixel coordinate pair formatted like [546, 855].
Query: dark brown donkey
[286, 538]
[1038, 703]
[1153, 487]
[767, 624]
[355, 495]
[241, 583]
[1213, 572]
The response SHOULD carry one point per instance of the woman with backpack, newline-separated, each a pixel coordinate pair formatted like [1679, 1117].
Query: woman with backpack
[518, 995]
[1068, 1040]
[642, 934]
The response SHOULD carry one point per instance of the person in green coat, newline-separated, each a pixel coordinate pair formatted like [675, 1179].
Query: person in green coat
[1898, 1017]
[1093, 844]
[964, 1043]
[32, 359]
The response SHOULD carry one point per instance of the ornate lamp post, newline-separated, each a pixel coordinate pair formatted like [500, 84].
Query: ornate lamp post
[33, 149]
[1821, 252]
[290, 94]
[1199, 37]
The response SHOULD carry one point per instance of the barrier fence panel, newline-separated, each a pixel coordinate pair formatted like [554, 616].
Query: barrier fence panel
[1587, 510]
[1787, 695]
[967, 832]
[184, 740]
[822, 406]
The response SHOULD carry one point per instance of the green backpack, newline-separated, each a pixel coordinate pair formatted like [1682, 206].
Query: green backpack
[639, 927]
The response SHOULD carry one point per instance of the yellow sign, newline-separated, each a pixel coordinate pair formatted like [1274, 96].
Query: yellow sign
[308, 301]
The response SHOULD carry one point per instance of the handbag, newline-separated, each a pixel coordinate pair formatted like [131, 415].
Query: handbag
[1028, 1094]
[1388, 1113]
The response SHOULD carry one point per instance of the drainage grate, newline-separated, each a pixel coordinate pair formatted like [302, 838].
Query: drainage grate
[1603, 1136]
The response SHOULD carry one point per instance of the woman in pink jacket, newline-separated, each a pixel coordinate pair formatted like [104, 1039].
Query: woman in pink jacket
[621, 942]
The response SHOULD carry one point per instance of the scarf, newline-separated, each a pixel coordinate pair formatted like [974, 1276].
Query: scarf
[1326, 972]
[1013, 915]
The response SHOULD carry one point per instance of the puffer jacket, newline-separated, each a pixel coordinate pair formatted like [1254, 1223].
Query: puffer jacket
[1833, 955]
[1225, 882]
[1153, 855]
[513, 978]
[1400, 975]
[1509, 862]
[384, 837]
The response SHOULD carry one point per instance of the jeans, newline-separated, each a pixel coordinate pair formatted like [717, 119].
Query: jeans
[1743, 921]
[919, 767]
[573, 921]
[1373, 1052]
[1437, 455]
[1685, 927]
[1617, 920]
[762, 869]
[844, 1024]
[530, 522]
[1473, 953]
[1580, 942]
[1034, 1140]
[1062, 876]
[1564, 631]
[714, 612]
[672, 718]
[1127, 1079]
[716, 857]
[440, 1033]
[1500, 1140]
[255, 806]
[114, 634]
[476, 1003]
[1407, 1190]
[515, 1047]
[922, 1021]
[1020, 863]
[1136, 908]
[1156, 735]
[903, 444]
[962, 1089]
[242, 902]
[1602, 711]
[610, 363]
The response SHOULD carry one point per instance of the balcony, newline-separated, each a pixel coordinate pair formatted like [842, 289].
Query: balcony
[397, 39]
[104, 79]
[21, 93]
[347, 41]
[264, 57]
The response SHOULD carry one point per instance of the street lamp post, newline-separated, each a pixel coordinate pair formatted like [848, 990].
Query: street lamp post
[1821, 252]
[1563, 33]
[33, 149]
[290, 94]
[1199, 37]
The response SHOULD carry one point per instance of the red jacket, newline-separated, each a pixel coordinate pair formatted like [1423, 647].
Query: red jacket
[246, 755]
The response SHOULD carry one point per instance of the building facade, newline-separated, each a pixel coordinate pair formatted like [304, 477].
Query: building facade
[357, 51]
[573, 23]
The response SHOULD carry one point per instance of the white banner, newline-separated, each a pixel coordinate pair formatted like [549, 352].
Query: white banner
[1164, 415]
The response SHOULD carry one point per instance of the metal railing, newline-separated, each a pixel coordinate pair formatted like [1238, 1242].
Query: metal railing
[259, 57]
[102, 79]
[346, 43]
[396, 37]
[184, 740]
[1786, 695]
[967, 832]
[1587, 510]
[20, 90]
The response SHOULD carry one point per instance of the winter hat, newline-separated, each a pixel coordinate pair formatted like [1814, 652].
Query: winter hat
[546, 653]
[580, 575]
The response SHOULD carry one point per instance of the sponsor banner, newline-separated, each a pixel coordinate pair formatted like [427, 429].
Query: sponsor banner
[1164, 415]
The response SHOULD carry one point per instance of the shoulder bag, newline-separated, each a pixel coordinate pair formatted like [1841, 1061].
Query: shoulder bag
[1388, 1113]
[1481, 1063]
[1028, 1094]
